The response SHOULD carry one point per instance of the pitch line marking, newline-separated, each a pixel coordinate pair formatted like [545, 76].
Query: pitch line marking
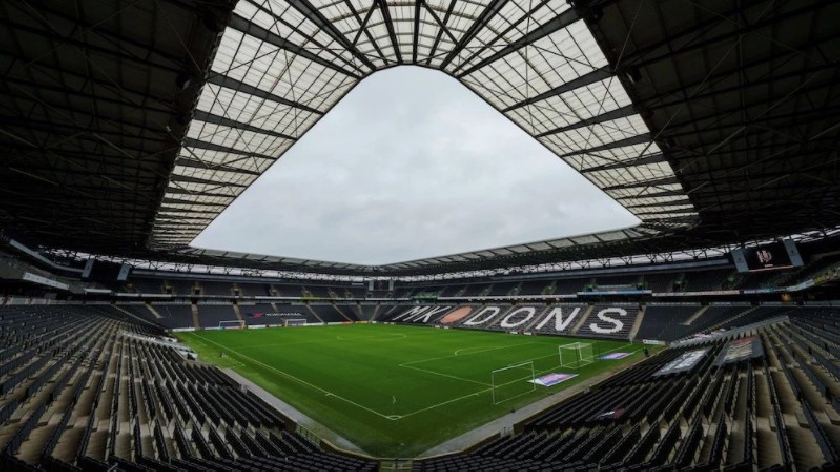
[399, 417]
[325, 392]
[372, 337]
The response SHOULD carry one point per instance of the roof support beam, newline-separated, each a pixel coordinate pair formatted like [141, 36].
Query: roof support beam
[631, 141]
[443, 29]
[664, 193]
[557, 23]
[199, 164]
[389, 25]
[315, 16]
[492, 9]
[415, 43]
[233, 84]
[595, 120]
[230, 123]
[672, 48]
[582, 81]
[193, 202]
[198, 180]
[363, 28]
[199, 144]
[181, 191]
[639, 161]
[245, 26]
[644, 183]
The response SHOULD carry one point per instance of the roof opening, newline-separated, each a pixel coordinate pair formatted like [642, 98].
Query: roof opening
[411, 164]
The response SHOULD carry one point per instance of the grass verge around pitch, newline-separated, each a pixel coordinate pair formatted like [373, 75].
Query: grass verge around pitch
[397, 390]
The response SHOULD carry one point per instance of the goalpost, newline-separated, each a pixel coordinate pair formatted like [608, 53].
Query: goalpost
[575, 355]
[513, 381]
[232, 324]
[295, 322]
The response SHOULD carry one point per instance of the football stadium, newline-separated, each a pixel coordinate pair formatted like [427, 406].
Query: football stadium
[704, 337]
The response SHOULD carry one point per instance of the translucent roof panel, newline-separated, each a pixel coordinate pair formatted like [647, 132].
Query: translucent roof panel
[281, 65]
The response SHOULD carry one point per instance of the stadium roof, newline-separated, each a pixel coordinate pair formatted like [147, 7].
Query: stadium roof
[129, 127]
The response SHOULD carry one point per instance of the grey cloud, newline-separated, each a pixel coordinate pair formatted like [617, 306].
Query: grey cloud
[411, 164]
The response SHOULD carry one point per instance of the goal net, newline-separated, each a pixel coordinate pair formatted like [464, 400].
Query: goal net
[231, 324]
[513, 381]
[575, 355]
[295, 322]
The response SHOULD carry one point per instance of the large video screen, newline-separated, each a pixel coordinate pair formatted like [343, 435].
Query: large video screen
[778, 255]
[105, 271]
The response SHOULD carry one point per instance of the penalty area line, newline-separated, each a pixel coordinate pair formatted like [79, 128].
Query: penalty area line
[304, 382]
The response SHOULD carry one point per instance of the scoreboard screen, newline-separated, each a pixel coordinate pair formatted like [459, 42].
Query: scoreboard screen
[105, 271]
[778, 255]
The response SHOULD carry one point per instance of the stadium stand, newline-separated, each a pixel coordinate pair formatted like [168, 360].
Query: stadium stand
[366, 311]
[618, 282]
[660, 283]
[453, 290]
[210, 314]
[725, 408]
[79, 393]
[668, 322]
[517, 318]
[223, 289]
[609, 321]
[253, 290]
[182, 287]
[560, 318]
[533, 287]
[174, 315]
[704, 281]
[569, 286]
[142, 285]
[264, 313]
[475, 290]
[328, 313]
[501, 289]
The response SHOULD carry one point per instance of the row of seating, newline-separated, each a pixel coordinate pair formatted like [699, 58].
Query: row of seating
[773, 407]
[98, 397]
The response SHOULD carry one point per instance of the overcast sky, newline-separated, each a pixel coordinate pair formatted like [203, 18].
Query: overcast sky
[411, 164]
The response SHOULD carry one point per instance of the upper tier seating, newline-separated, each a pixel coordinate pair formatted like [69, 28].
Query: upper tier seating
[224, 289]
[707, 280]
[660, 283]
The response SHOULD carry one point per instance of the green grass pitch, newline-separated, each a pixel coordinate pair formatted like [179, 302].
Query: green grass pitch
[397, 390]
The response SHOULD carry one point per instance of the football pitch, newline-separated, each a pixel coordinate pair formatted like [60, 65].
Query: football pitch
[395, 390]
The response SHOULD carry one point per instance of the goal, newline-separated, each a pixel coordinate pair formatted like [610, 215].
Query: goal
[295, 322]
[575, 355]
[513, 381]
[231, 324]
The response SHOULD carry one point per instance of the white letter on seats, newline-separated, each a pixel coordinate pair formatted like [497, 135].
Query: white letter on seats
[602, 315]
[492, 311]
[506, 323]
[412, 312]
[559, 323]
[424, 317]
